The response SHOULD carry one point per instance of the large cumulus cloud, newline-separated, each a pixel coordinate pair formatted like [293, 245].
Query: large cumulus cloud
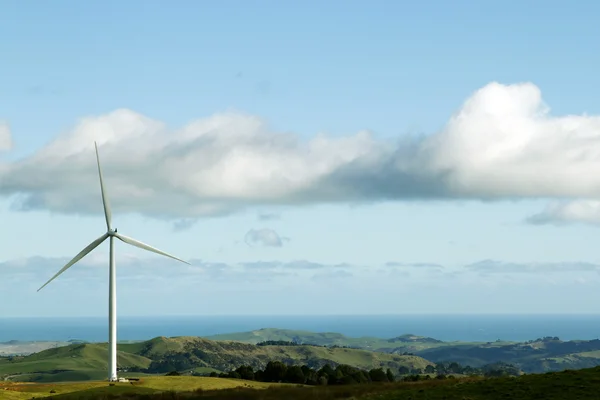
[503, 143]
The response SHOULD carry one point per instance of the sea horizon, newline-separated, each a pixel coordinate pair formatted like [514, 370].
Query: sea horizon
[446, 327]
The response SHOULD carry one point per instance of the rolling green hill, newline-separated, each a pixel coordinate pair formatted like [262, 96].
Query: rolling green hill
[186, 354]
[191, 352]
[398, 344]
[543, 355]
[540, 355]
[73, 362]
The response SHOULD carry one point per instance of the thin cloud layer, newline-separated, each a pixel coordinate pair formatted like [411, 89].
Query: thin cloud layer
[503, 143]
[143, 273]
[500, 267]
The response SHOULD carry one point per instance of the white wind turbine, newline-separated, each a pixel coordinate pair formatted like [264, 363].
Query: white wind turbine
[112, 293]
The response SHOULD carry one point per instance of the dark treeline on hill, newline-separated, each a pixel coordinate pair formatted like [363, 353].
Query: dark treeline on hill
[276, 371]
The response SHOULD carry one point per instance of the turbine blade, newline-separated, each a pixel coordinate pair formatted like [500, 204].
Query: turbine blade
[144, 246]
[107, 213]
[78, 257]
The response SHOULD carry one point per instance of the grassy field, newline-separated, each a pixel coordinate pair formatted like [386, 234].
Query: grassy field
[92, 390]
[566, 385]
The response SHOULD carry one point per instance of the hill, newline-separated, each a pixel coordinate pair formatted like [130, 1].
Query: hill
[539, 355]
[182, 353]
[404, 343]
[187, 354]
[74, 362]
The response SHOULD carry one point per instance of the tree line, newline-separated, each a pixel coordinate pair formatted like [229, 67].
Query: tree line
[276, 371]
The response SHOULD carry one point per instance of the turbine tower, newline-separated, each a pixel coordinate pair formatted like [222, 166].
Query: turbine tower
[112, 292]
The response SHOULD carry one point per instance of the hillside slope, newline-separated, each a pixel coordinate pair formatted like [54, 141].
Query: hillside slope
[539, 355]
[549, 354]
[182, 353]
[402, 343]
[185, 354]
[90, 361]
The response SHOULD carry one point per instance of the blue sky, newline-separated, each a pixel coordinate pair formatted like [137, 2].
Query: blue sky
[370, 152]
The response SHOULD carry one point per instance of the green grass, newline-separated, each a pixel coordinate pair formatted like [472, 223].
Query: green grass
[581, 385]
[95, 390]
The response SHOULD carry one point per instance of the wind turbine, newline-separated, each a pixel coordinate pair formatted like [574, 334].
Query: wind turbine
[112, 292]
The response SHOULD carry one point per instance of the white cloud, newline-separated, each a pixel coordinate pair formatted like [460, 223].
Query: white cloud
[502, 143]
[5, 136]
[561, 213]
[264, 237]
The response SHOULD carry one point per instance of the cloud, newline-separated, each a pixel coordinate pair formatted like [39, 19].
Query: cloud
[5, 136]
[268, 216]
[568, 212]
[499, 267]
[264, 237]
[502, 143]
[293, 265]
[331, 275]
[424, 266]
[140, 273]
[183, 224]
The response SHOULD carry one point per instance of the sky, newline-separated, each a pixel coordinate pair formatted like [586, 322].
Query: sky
[339, 157]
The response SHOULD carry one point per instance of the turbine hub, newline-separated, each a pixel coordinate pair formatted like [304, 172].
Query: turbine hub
[111, 232]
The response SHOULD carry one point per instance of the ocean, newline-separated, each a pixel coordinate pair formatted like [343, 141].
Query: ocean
[444, 327]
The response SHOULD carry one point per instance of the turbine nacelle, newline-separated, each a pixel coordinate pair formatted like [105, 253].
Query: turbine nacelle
[111, 232]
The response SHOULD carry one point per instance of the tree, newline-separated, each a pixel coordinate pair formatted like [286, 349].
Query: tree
[234, 375]
[274, 371]
[454, 368]
[246, 372]
[390, 375]
[378, 375]
[329, 372]
[403, 370]
[430, 369]
[294, 374]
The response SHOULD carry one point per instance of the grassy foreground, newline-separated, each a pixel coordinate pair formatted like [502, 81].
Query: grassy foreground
[581, 385]
[99, 389]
